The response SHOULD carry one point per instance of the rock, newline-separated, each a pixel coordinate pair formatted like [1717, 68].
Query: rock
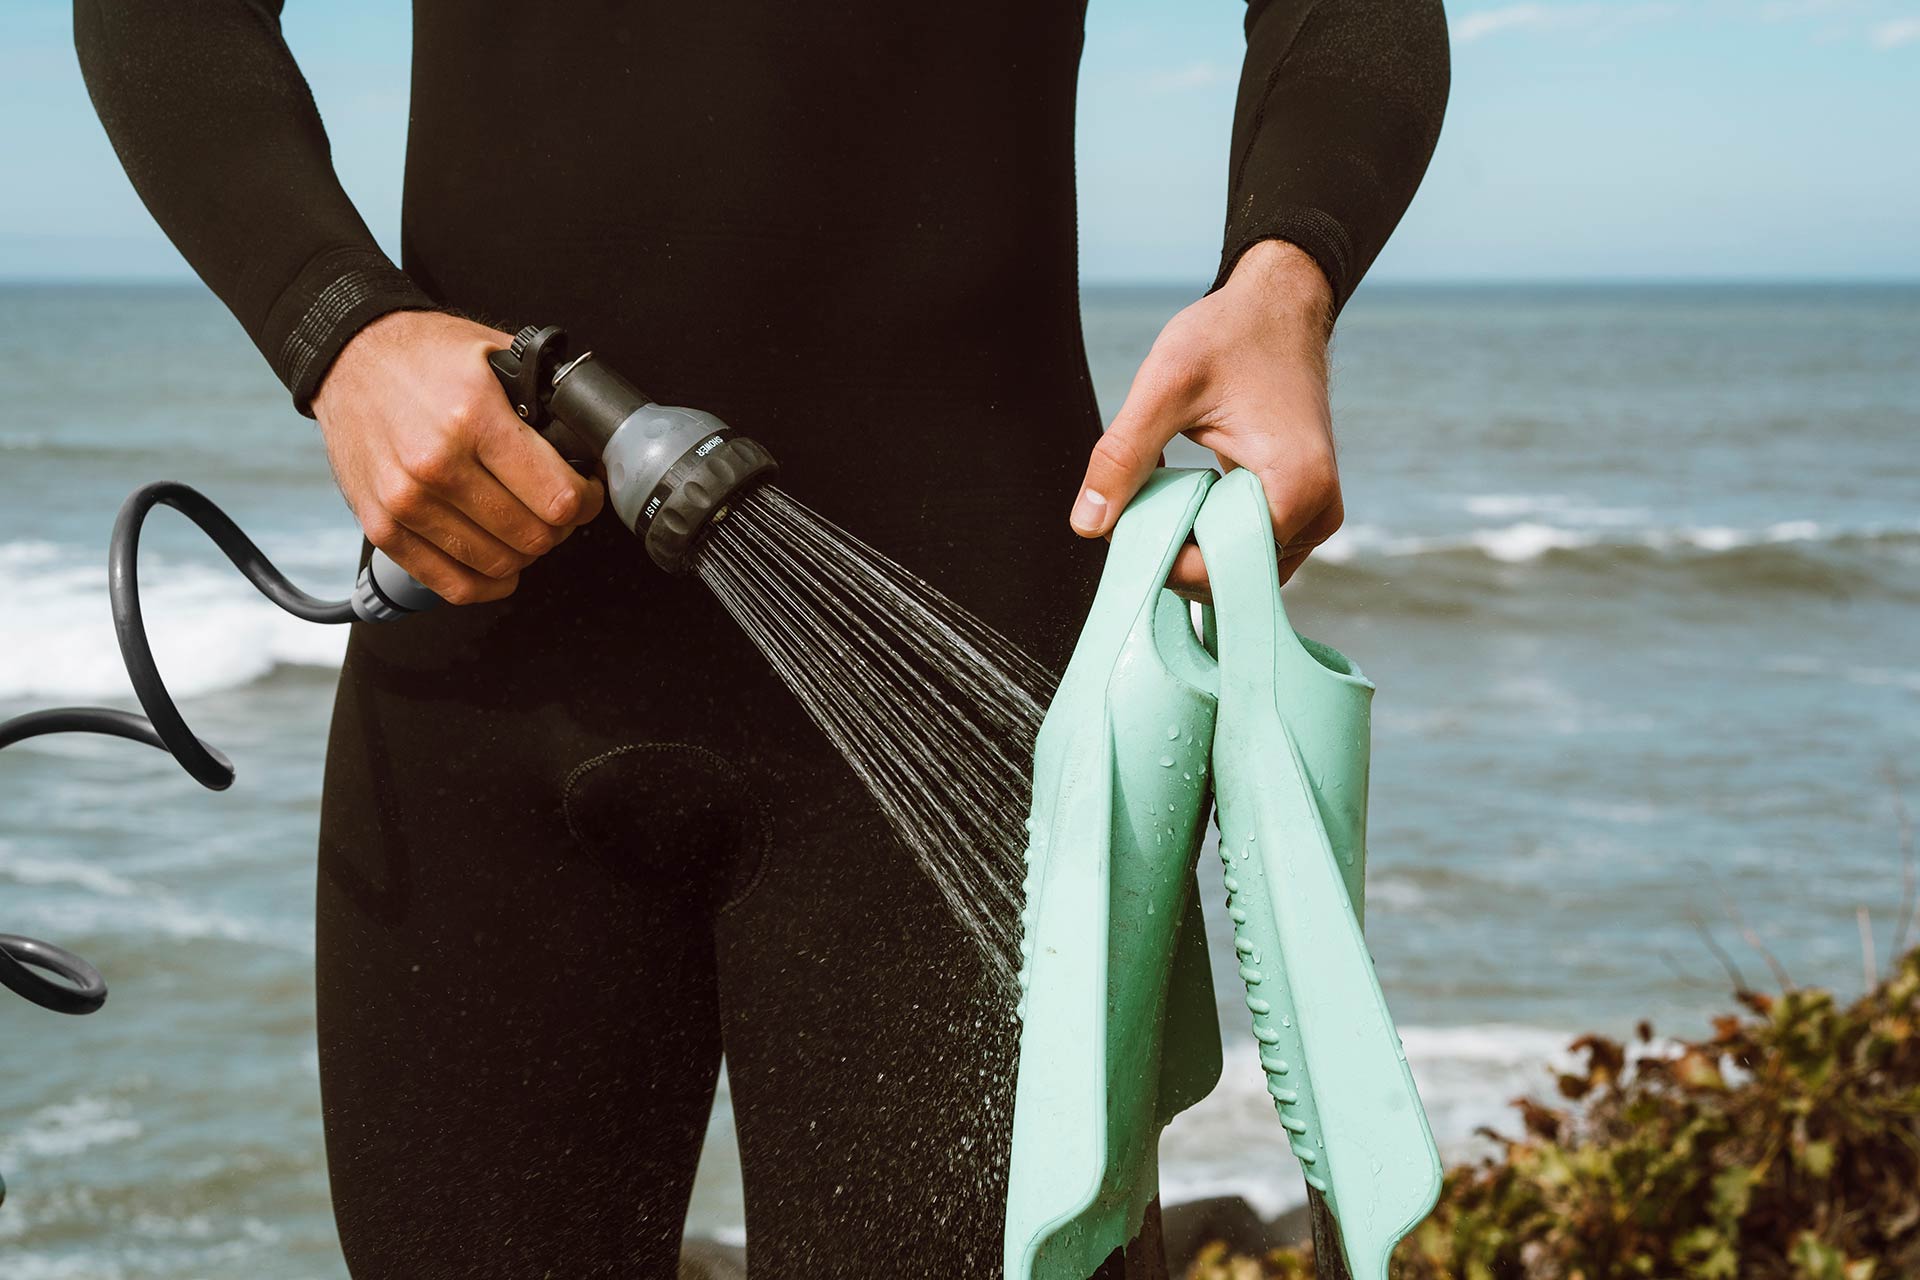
[710, 1260]
[1295, 1226]
[1189, 1227]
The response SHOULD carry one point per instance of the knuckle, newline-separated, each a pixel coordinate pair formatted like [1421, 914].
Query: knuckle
[464, 412]
[469, 588]
[1121, 450]
[507, 563]
[404, 498]
[436, 470]
[1175, 364]
[563, 507]
[539, 541]
[1311, 475]
[431, 464]
[382, 530]
[1322, 475]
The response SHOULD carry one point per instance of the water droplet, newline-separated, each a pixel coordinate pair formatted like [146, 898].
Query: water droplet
[1173, 731]
[1166, 762]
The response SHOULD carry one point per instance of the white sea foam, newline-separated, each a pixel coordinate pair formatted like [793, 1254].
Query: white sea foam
[1517, 543]
[151, 914]
[1566, 508]
[22, 869]
[1524, 541]
[209, 628]
[101, 903]
[68, 1128]
[38, 1266]
[1870, 677]
[1231, 1144]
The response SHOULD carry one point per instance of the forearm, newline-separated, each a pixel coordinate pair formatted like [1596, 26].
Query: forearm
[1339, 109]
[219, 133]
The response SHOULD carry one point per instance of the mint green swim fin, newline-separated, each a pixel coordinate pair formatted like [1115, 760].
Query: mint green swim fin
[1118, 1024]
[1290, 753]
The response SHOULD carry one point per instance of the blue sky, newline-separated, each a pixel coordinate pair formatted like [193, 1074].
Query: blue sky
[1748, 139]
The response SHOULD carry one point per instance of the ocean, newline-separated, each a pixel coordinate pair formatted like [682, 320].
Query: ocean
[1636, 570]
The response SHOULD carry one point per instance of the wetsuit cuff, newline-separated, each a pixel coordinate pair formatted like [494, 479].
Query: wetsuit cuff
[1319, 235]
[338, 293]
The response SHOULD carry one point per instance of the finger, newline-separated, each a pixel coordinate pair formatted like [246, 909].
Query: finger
[1189, 575]
[1294, 553]
[481, 497]
[433, 568]
[1291, 561]
[441, 524]
[1298, 490]
[533, 470]
[1156, 410]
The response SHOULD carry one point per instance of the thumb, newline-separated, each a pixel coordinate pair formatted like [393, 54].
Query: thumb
[1154, 413]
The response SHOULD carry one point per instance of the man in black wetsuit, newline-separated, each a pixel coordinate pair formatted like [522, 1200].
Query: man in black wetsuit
[576, 841]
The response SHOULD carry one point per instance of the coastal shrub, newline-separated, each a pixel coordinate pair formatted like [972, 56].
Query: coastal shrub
[1784, 1146]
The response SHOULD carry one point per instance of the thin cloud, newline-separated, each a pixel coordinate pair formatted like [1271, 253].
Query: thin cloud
[1195, 75]
[1477, 26]
[1891, 35]
[1587, 17]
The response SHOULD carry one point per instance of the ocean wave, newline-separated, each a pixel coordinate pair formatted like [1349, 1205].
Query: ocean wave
[151, 915]
[209, 628]
[1870, 677]
[1565, 507]
[68, 1128]
[84, 901]
[1526, 541]
[77, 875]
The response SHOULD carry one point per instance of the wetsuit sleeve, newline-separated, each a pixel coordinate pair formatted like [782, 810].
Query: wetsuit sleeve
[1338, 112]
[220, 135]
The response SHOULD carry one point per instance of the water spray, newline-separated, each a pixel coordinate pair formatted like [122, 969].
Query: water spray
[934, 711]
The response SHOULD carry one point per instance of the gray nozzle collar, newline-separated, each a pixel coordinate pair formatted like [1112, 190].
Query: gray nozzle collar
[670, 470]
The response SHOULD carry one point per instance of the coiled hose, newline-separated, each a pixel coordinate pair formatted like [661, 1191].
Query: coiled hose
[76, 987]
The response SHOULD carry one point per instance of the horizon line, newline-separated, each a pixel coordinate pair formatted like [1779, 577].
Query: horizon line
[1173, 282]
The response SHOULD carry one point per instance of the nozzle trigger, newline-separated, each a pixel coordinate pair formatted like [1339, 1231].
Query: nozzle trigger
[526, 370]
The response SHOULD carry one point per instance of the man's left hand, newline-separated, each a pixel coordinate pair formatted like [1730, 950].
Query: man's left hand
[1242, 372]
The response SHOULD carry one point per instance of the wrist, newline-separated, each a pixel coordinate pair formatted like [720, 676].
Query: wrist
[366, 346]
[1286, 280]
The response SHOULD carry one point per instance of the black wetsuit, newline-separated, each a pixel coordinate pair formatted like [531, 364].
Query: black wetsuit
[576, 844]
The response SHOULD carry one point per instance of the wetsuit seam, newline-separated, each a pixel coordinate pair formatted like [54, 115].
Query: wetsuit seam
[763, 844]
[1259, 122]
[1309, 228]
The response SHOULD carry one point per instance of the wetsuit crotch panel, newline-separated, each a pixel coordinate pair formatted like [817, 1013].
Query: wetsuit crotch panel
[672, 812]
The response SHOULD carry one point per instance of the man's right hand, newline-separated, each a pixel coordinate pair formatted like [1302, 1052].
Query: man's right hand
[441, 474]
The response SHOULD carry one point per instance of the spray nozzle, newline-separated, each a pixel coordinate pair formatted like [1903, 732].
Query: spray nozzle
[671, 472]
